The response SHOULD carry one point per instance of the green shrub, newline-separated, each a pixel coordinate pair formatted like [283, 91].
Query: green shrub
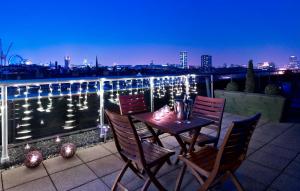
[250, 81]
[232, 86]
[272, 89]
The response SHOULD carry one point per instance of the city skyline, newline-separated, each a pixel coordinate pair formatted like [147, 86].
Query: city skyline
[138, 32]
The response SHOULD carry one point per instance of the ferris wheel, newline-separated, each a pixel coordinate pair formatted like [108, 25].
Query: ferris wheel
[16, 60]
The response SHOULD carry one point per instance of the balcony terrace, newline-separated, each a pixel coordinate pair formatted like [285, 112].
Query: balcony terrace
[273, 163]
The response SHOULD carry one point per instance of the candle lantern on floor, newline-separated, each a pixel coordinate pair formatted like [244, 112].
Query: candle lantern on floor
[68, 150]
[33, 159]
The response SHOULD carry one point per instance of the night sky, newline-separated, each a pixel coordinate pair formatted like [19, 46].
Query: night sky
[138, 31]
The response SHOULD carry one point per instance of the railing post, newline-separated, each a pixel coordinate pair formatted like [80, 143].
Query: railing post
[101, 97]
[4, 111]
[212, 85]
[152, 93]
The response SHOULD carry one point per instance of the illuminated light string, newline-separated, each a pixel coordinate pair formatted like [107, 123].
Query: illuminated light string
[172, 97]
[130, 87]
[116, 100]
[40, 106]
[70, 108]
[193, 85]
[50, 94]
[21, 128]
[83, 100]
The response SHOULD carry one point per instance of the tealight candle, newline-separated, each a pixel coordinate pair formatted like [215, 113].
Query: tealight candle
[166, 109]
[57, 140]
[157, 116]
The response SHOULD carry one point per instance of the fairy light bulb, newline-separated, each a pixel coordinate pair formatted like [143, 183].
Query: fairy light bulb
[27, 147]
[57, 139]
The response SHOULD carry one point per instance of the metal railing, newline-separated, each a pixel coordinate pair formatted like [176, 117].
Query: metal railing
[171, 86]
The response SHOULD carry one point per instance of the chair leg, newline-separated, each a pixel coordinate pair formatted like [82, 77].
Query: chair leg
[156, 182]
[136, 170]
[120, 176]
[180, 153]
[236, 182]
[180, 177]
[148, 181]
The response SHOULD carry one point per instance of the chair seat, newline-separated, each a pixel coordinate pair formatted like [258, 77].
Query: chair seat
[154, 153]
[203, 160]
[202, 139]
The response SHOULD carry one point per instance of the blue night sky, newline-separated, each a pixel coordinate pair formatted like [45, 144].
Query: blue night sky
[138, 31]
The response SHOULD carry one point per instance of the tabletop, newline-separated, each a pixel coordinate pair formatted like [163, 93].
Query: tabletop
[168, 123]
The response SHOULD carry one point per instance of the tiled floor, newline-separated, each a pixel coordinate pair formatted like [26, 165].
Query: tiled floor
[273, 163]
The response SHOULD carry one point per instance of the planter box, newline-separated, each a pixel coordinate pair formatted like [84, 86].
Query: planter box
[246, 104]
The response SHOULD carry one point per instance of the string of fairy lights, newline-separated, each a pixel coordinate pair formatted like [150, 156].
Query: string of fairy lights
[41, 97]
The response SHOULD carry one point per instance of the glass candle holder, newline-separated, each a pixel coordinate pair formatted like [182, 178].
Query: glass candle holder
[68, 150]
[156, 115]
[33, 159]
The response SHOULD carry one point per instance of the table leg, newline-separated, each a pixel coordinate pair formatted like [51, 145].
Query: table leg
[155, 135]
[194, 139]
[181, 143]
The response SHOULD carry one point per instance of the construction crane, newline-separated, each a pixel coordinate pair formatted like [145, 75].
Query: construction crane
[3, 57]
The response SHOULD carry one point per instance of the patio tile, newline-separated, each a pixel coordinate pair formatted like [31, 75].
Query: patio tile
[110, 146]
[257, 172]
[269, 160]
[73, 177]
[92, 153]
[249, 184]
[293, 169]
[256, 144]
[42, 184]
[288, 142]
[59, 163]
[297, 159]
[106, 165]
[272, 126]
[130, 180]
[263, 137]
[279, 151]
[250, 151]
[170, 140]
[95, 185]
[20, 175]
[168, 181]
[286, 183]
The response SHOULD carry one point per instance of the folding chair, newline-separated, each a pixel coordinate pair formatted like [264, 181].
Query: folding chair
[211, 165]
[149, 156]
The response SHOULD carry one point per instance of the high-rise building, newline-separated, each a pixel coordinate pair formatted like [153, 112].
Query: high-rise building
[67, 62]
[293, 62]
[97, 64]
[183, 60]
[206, 63]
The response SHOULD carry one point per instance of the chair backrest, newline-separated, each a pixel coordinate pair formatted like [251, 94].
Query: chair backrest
[125, 136]
[131, 104]
[211, 108]
[234, 148]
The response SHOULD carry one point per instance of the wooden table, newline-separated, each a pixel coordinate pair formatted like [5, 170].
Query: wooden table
[168, 124]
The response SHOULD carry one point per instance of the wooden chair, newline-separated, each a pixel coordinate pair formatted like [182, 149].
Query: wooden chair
[134, 151]
[134, 104]
[211, 165]
[209, 108]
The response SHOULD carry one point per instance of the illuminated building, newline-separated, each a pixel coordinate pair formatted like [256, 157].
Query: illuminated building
[67, 62]
[206, 63]
[266, 66]
[183, 60]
